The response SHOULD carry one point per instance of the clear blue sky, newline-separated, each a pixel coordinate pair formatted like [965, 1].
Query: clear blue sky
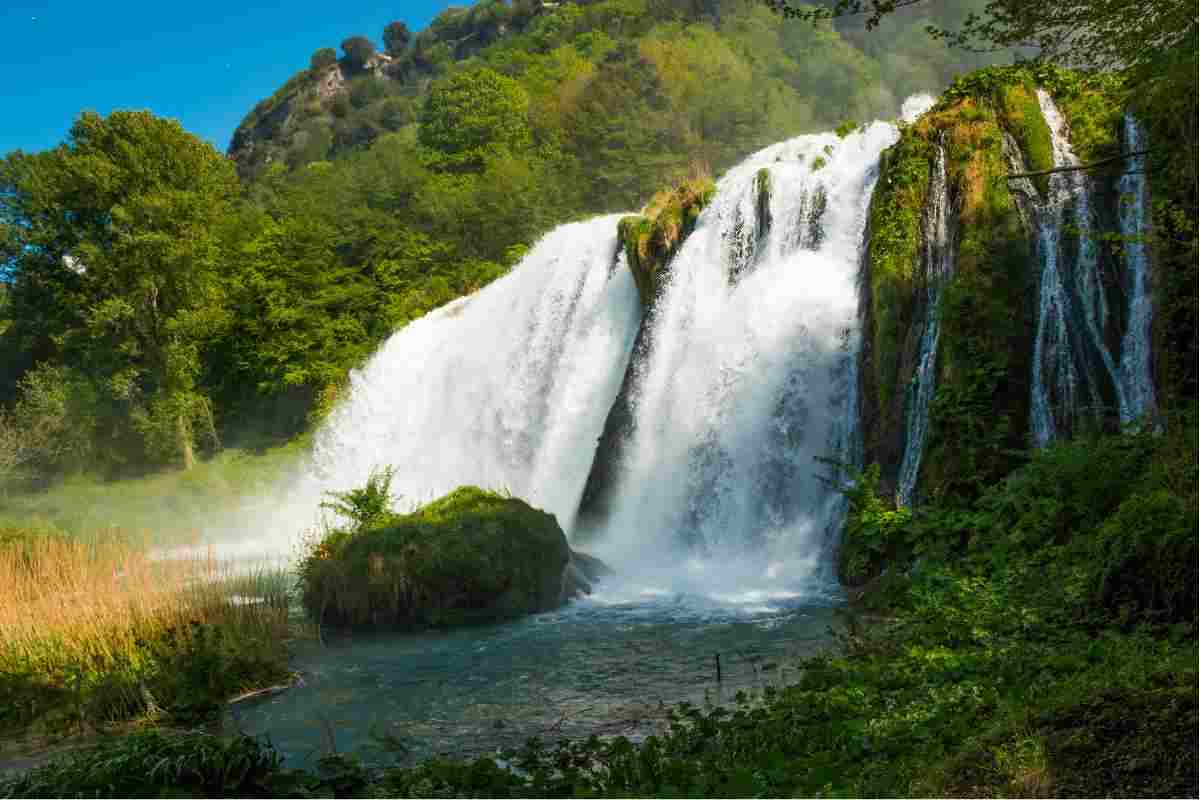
[205, 64]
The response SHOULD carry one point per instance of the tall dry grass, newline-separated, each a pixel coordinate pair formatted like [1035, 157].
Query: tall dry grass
[76, 612]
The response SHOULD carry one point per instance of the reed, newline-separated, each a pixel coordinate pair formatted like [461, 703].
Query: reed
[81, 615]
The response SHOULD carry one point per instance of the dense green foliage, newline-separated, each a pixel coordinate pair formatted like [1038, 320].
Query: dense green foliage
[470, 556]
[114, 250]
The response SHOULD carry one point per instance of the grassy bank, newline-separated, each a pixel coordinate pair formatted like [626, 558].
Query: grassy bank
[93, 631]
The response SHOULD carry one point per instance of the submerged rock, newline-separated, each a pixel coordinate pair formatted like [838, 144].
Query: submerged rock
[472, 556]
[582, 573]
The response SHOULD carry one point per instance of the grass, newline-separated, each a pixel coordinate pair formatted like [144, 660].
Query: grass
[95, 630]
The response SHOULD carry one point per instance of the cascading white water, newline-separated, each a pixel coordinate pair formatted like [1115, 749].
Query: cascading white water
[1072, 307]
[751, 378]
[937, 256]
[505, 389]
[1137, 382]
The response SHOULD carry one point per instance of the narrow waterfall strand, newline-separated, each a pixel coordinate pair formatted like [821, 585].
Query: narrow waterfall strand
[1071, 315]
[1137, 381]
[938, 257]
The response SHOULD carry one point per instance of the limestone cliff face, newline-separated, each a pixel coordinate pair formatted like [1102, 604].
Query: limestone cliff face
[956, 328]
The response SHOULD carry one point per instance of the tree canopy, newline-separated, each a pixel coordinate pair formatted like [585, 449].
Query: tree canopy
[358, 50]
[473, 113]
[396, 37]
[115, 265]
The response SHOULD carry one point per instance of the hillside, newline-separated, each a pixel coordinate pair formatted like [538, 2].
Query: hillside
[624, 93]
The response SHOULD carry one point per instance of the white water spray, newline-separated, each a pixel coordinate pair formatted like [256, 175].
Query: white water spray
[505, 389]
[750, 379]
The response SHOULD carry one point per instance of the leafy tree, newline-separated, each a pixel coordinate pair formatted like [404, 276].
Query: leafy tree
[472, 113]
[396, 37]
[323, 58]
[1109, 34]
[359, 50]
[117, 268]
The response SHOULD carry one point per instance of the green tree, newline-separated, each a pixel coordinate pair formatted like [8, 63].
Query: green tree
[117, 268]
[359, 50]
[473, 113]
[396, 37]
[323, 58]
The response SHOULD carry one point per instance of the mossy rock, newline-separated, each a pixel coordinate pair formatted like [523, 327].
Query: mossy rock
[472, 556]
[651, 239]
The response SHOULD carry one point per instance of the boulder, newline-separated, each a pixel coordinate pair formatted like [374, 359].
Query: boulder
[472, 556]
[581, 574]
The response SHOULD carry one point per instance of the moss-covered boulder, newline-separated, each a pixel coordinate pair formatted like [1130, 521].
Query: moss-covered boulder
[471, 556]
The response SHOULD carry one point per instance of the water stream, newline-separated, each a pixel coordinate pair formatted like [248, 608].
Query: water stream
[1071, 357]
[937, 257]
[1137, 379]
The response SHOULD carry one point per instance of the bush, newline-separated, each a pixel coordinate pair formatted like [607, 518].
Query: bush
[157, 764]
[359, 50]
[396, 37]
[322, 59]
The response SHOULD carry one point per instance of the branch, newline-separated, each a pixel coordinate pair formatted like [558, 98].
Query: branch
[1099, 163]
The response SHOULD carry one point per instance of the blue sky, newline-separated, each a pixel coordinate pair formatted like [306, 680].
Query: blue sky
[205, 64]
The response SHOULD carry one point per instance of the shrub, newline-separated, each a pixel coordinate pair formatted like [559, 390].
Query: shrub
[322, 59]
[158, 764]
[359, 50]
[366, 90]
[396, 37]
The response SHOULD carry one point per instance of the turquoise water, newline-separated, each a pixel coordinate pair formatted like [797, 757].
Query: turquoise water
[609, 665]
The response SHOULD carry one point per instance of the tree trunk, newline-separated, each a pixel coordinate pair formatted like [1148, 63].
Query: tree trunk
[184, 432]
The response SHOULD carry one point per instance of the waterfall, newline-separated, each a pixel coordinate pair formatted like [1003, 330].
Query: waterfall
[750, 381]
[1072, 306]
[1137, 383]
[505, 389]
[937, 258]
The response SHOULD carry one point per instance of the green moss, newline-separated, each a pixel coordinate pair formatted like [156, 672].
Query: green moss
[652, 238]
[893, 250]
[980, 405]
[471, 556]
[634, 233]
[1022, 117]
[846, 128]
